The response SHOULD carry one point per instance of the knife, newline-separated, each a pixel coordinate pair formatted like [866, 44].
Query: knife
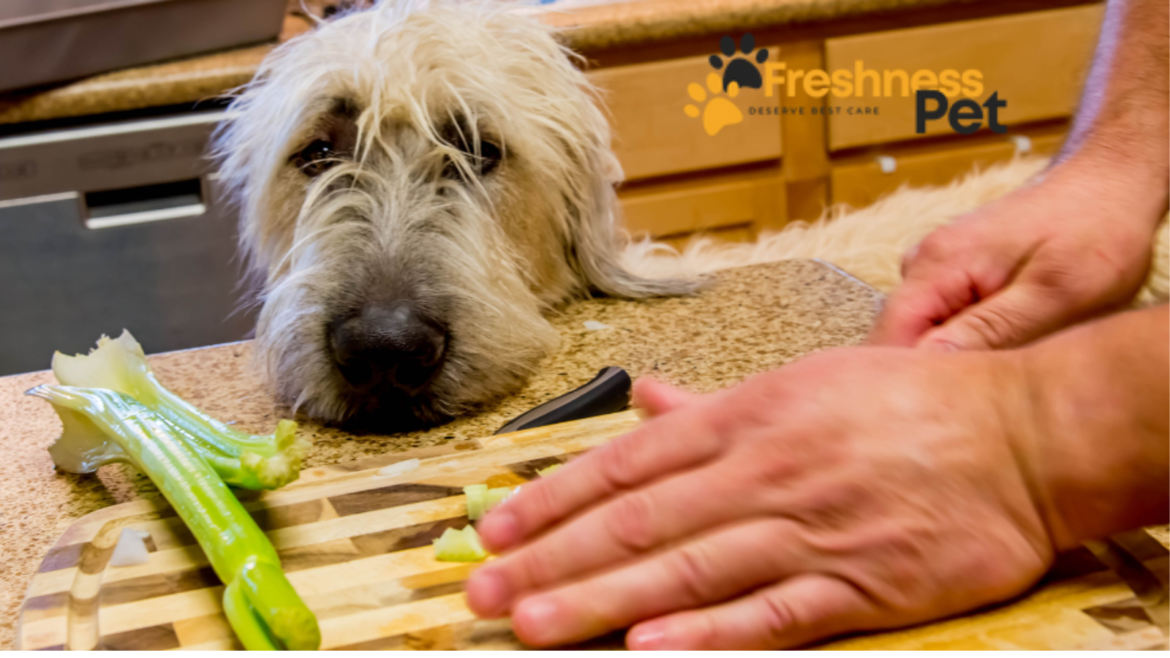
[607, 393]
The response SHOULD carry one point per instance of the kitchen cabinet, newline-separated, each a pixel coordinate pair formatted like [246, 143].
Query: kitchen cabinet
[1035, 61]
[808, 152]
[861, 180]
[653, 136]
[735, 205]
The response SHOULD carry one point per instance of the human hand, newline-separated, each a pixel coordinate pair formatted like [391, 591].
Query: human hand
[1064, 249]
[804, 503]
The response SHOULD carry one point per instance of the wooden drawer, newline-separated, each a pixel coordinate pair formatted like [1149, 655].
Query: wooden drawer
[861, 181]
[725, 234]
[654, 137]
[748, 200]
[1036, 61]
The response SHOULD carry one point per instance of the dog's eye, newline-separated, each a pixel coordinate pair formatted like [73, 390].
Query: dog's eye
[489, 157]
[316, 158]
[485, 163]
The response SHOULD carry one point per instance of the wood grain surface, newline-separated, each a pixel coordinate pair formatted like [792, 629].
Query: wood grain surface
[355, 540]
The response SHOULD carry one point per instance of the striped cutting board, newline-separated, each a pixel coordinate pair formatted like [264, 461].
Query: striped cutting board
[355, 540]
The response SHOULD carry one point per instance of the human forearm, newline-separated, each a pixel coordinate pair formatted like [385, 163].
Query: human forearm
[1097, 451]
[1121, 126]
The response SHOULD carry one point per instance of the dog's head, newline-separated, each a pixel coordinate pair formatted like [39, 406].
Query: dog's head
[418, 184]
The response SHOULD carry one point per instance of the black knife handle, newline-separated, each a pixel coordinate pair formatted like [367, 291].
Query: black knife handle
[607, 393]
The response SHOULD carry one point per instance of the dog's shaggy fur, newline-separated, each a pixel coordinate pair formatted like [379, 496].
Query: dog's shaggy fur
[869, 243]
[466, 168]
[452, 155]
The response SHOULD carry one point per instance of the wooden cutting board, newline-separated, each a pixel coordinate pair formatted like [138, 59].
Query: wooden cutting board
[355, 540]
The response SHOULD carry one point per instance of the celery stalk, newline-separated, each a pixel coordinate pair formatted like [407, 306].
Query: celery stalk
[263, 608]
[497, 496]
[242, 460]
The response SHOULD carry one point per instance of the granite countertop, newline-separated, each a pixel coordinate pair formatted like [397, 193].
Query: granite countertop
[590, 25]
[750, 320]
[599, 25]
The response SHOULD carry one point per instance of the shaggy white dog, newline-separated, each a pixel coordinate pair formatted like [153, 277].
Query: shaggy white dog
[422, 182]
[419, 184]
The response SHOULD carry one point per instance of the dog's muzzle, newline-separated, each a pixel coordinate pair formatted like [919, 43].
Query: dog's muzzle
[388, 346]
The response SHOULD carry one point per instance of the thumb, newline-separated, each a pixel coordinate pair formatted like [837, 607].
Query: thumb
[1014, 316]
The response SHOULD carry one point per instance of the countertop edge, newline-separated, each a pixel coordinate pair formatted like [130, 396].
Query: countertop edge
[591, 28]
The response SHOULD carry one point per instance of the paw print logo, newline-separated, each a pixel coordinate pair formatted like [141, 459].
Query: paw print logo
[739, 70]
[719, 112]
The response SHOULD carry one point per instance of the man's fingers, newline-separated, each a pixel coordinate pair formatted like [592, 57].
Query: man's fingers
[1014, 316]
[655, 398]
[793, 613]
[660, 447]
[695, 574]
[921, 303]
[627, 526]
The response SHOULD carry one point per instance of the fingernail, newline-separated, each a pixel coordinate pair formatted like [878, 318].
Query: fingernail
[487, 594]
[647, 637]
[499, 530]
[538, 617]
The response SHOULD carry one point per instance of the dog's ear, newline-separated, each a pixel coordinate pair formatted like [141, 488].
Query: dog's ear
[594, 247]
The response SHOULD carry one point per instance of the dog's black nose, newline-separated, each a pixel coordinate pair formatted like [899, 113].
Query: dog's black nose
[389, 343]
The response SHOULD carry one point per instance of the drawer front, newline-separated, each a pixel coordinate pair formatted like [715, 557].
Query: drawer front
[862, 182]
[751, 201]
[1036, 62]
[726, 234]
[653, 136]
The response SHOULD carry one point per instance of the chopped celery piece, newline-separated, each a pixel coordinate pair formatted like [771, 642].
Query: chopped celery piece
[497, 496]
[263, 608]
[241, 460]
[459, 546]
[545, 472]
[476, 500]
[131, 549]
[481, 500]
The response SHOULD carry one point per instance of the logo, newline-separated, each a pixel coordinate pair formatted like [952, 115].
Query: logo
[738, 73]
[846, 90]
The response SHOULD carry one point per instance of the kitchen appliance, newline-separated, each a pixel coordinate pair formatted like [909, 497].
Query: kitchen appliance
[43, 41]
[115, 225]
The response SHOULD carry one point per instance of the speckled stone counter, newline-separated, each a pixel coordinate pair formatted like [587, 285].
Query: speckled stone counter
[620, 23]
[750, 320]
[590, 26]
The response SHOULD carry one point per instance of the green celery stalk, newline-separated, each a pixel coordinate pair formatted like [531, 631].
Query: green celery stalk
[249, 461]
[263, 608]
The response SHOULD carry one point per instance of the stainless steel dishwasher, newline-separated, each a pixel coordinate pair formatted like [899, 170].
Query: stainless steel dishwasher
[110, 226]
